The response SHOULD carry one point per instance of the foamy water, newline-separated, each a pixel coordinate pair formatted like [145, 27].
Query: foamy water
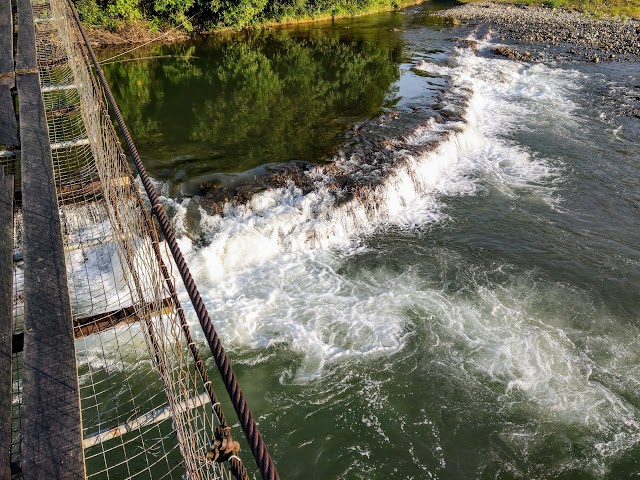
[270, 269]
[272, 272]
[536, 360]
[467, 315]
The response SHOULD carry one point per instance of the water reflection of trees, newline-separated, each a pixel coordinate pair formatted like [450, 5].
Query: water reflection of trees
[235, 104]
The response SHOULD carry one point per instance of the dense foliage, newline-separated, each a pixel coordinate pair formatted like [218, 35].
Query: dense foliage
[212, 14]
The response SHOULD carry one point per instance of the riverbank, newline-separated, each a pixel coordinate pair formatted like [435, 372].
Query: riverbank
[140, 31]
[132, 35]
[582, 36]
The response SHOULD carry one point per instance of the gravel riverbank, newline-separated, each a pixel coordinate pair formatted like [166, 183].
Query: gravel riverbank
[595, 39]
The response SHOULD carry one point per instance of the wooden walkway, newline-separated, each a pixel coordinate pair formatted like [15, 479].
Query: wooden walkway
[8, 141]
[90, 182]
[6, 320]
[51, 433]
[6, 45]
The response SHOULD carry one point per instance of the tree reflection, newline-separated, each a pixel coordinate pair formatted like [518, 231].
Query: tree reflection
[229, 105]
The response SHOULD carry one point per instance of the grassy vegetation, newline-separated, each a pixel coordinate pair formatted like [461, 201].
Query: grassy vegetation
[156, 15]
[219, 14]
[614, 8]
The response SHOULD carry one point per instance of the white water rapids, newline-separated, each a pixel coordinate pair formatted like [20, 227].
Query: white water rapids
[269, 269]
[298, 273]
[271, 272]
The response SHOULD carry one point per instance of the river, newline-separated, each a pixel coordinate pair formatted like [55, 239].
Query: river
[486, 324]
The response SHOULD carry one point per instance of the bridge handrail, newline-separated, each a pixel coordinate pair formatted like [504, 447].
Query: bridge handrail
[250, 428]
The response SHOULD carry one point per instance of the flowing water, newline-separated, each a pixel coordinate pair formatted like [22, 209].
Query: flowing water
[484, 321]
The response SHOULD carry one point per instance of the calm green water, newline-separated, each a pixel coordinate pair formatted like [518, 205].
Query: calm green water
[231, 104]
[486, 326]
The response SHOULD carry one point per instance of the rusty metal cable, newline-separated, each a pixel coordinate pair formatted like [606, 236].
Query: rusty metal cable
[235, 465]
[250, 428]
[237, 468]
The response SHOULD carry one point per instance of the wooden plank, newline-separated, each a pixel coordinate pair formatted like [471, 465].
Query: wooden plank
[6, 44]
[83, 327]
[51, 422]
[150, 418]
[26, 47]
[6, 320]
[8, 124]
[104, 321]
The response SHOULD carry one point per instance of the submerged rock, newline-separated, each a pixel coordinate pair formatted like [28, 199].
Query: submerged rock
[375, 150]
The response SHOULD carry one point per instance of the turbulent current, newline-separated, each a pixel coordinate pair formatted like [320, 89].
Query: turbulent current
[472, 311]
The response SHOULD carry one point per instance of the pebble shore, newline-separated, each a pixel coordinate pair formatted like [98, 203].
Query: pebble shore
[597, 39]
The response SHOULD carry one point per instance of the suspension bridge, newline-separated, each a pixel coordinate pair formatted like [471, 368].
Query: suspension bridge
[100, 375]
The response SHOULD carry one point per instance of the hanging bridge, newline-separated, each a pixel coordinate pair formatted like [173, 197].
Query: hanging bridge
[100, 375]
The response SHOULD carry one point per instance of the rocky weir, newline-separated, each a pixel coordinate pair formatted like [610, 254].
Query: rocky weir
[382, 153]
[377, 154]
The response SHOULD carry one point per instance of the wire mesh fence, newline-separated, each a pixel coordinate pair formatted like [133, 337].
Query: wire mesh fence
[146, 402]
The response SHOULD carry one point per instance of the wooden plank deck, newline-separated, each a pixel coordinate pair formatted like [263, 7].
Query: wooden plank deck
[6, 44]
[8, 125]
[8, 140]
[6, 320]
[26, 47]
[51, 423]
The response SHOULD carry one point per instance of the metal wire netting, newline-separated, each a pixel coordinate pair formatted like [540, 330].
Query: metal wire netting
[146, 410]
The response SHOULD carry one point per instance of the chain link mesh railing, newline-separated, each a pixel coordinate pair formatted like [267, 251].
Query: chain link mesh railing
[148, 408]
